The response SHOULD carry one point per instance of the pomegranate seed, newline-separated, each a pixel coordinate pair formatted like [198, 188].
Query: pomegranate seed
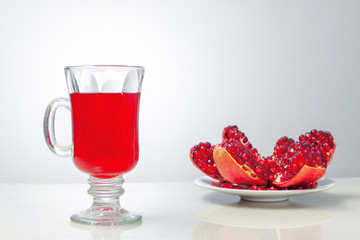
[253, 187]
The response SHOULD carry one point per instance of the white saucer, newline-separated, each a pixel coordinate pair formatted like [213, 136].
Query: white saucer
[264, 195]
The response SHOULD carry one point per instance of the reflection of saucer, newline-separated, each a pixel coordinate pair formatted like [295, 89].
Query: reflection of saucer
[105, 232]
[266, 215]
[265, 196]
[256, 220]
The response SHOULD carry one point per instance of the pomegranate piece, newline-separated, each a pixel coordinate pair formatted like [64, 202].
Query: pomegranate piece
[201, 156]
[300, 165]
[304, 162]
[239, 165]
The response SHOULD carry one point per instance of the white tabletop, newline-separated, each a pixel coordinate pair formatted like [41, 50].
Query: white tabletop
[181, 210]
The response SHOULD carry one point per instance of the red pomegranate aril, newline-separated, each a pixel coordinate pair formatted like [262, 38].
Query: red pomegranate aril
[271, 178]
[253, 187]
[248, 145]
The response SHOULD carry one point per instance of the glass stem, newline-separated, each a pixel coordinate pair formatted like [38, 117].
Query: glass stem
[106, 193]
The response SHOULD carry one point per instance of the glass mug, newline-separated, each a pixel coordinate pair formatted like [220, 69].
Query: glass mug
[104, 104]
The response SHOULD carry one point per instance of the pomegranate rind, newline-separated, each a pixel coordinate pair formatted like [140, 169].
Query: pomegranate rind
[216, 177]
[306, 175]
[232, 171]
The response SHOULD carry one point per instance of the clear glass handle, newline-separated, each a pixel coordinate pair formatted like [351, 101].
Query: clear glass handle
[49, 128]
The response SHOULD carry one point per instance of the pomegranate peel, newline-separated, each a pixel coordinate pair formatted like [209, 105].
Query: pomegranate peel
[232, 171]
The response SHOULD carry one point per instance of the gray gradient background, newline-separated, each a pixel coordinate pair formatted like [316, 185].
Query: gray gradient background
[274, 68]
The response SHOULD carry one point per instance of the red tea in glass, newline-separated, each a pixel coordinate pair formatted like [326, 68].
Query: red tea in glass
[105, 134]
[104, 103]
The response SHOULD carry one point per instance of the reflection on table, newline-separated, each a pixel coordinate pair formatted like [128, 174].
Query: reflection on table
[251, 220]
[105, 232]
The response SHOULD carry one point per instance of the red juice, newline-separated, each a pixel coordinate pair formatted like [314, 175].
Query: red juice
[105, 132]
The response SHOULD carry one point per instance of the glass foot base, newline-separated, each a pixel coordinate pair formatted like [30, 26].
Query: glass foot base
[105, 217]
[106, 209]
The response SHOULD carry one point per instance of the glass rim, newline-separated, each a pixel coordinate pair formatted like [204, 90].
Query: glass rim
[80, 67]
